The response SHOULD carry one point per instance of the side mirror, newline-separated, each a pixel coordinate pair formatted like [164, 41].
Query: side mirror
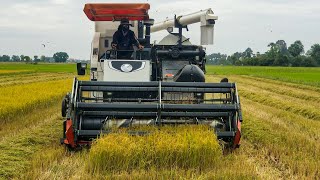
[81, 68]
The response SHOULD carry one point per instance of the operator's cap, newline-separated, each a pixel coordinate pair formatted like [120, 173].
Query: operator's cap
[125, 21]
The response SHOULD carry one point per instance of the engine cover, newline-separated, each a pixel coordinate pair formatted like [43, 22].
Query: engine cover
[190, 73]
[127, 70]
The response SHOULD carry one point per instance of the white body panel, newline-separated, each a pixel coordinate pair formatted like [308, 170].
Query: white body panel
[141, 74]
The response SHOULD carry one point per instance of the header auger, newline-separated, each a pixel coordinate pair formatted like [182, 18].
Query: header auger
[160, 85]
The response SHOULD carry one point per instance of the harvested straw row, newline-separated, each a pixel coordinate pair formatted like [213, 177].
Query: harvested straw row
[279, 89]
[33, 78]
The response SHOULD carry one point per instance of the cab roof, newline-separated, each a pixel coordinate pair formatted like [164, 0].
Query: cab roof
[116, 11]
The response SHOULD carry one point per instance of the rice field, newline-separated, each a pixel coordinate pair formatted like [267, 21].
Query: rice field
[281, 138]
[19, 68]
[300, 75]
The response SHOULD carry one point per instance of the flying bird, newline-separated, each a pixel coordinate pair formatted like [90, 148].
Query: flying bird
[44, 45]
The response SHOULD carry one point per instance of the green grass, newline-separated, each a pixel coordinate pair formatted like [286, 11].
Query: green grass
[301, 75]
[41, 67]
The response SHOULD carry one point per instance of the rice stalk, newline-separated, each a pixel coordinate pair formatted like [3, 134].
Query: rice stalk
[165, 148]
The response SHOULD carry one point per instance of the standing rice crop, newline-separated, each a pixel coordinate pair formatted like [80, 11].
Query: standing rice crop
[184, 147]
[20, 99]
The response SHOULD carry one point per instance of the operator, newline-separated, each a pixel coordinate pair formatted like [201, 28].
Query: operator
[124, 39]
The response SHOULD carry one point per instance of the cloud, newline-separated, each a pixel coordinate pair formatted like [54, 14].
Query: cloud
[60, 1]
[241, 24]
[30, 17]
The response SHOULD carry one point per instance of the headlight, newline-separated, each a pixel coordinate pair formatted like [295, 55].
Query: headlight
[84, 65]
[109, 93]
[126, 68]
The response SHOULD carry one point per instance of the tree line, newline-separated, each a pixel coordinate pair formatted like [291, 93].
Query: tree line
[277, 55]
[57, 57]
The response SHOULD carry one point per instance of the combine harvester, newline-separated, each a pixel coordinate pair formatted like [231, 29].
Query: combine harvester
[162, 84]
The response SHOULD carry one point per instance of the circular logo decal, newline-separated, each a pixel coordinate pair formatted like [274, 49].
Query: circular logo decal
[126, 67]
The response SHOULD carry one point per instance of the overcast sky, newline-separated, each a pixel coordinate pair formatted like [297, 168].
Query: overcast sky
[62, 26]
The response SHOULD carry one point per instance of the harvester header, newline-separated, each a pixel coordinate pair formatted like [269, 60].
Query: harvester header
[117, 11]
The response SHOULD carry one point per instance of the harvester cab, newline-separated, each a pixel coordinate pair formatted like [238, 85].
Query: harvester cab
[162, 84]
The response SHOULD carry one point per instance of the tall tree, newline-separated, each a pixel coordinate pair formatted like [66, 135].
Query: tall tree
[296, 48]
[237, 55]
[282, 45]
[314, 52]
[15, 58]
[22, 57]
[60, 57]
[35, 59]
[248, 53]
[42, 58]
[273, 51]
[27, 59]
[234, 57]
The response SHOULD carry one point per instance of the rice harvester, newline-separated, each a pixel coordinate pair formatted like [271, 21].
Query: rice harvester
[160, 85]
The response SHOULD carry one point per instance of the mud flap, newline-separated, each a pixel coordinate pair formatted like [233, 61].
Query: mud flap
[69, 140]
[236, 142]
